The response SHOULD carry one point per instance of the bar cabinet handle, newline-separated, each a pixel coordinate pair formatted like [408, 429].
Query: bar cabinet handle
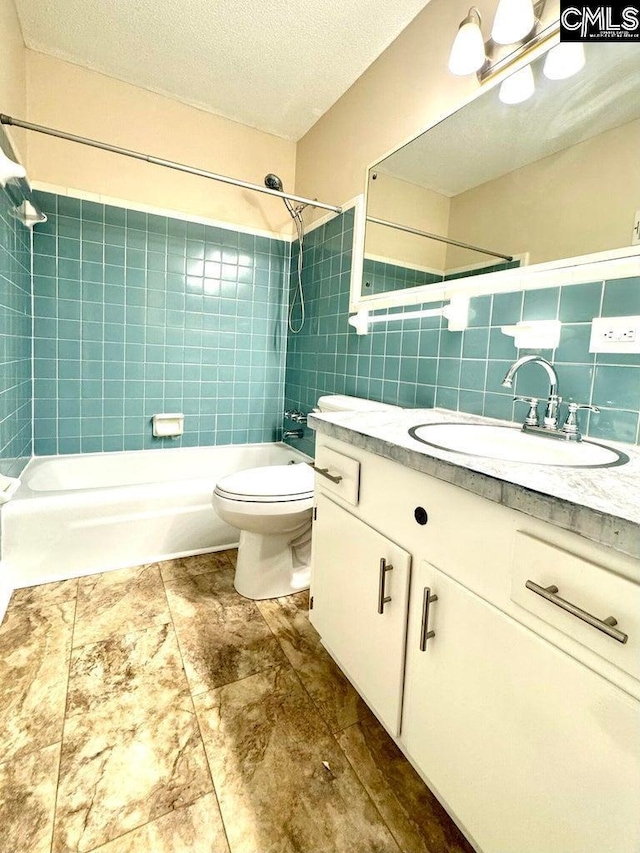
[607, 626]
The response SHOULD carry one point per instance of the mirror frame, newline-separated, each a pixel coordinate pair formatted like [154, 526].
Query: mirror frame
[615, 263]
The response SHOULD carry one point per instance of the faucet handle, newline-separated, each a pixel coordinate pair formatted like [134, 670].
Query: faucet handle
[532, 415]
[570, 426]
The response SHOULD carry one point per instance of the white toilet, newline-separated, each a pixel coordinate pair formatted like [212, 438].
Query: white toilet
[271, 507]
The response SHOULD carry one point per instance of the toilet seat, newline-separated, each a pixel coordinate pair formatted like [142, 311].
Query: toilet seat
[269, 484]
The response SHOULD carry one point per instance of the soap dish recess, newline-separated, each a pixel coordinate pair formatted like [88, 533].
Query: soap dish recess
[168, 425]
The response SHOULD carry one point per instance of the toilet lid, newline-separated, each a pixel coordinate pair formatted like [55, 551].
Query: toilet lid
[270, 484]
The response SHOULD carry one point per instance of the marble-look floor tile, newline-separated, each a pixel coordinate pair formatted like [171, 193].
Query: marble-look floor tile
[44, 594]
[118, 773]
[35, 645]
[329, 688]
[132, 749]
[196, 565]
[222, 636]
[415, 817]
[282, 781]
[193, 829]
[119, 602]
[141, 669]
[27, 801]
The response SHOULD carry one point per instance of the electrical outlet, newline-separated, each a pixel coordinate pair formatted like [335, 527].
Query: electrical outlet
[615, 334]
[635, 237]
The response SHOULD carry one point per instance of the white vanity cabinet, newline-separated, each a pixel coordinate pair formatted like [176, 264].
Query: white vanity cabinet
[360, 606]
[513, 715]
[529, 749]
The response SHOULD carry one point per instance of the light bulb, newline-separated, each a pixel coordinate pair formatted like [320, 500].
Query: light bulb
[519, 87]
[564, 60]
[514, 21]
[467, 51]
[9, 169]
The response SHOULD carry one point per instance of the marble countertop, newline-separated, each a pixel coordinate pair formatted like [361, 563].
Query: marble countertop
[601, 504]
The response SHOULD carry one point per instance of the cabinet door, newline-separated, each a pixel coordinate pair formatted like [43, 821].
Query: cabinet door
[532, 751]
[346, 570]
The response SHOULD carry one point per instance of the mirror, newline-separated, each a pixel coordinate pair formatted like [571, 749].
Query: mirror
[554, 177]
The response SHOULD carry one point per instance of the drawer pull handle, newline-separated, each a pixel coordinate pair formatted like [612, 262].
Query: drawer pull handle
[425, 633]
[607, 626]
[382, 598]
[335, 478]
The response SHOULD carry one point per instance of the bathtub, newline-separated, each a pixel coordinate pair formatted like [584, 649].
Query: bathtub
[80, 514]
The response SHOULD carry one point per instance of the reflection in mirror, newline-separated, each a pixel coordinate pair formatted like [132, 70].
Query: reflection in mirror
[554, 177]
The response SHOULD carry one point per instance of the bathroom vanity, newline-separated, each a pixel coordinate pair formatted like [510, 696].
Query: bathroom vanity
[439, 585]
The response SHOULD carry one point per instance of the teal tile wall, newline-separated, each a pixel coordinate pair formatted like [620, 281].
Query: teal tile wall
[137, 314]
[381, 277]
[15, 339]
[419, 363]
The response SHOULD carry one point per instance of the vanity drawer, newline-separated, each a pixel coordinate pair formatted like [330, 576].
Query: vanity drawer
[592, 589]
[338, 474]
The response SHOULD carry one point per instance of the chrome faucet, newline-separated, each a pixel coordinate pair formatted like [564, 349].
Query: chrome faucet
[569, 429]
[553, 402]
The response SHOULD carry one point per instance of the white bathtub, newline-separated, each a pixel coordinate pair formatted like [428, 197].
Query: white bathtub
[80, 514]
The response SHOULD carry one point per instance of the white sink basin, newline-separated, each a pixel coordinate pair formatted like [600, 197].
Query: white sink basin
[511, 444]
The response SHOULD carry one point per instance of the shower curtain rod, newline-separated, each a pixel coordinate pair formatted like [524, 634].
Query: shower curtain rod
[447, 240]
[158, 161]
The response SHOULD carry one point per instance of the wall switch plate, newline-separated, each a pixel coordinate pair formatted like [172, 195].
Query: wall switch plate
[615, 334]
[635, 238]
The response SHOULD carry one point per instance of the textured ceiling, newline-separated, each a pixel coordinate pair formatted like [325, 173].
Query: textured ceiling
[275, 65]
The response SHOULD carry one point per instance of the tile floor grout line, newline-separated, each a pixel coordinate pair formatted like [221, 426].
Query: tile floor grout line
[352, 766]
[148, 823]
[64, 718]
[334, 734]
[316, 705]
[195, 713]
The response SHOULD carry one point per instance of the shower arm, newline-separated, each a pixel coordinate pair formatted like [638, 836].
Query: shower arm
[159, 161]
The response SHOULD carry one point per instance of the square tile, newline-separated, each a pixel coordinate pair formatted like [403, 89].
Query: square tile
[332, 693]
[35, 648]
[196, 828]
[282, 781]
[28, 788]
[119, 602]
[415, 817]
[222, 636]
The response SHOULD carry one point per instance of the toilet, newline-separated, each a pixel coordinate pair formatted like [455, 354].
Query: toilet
[271, 506]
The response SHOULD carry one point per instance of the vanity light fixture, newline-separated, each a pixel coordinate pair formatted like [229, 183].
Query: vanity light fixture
[514, 21]
[518, 28]
[9, 169]
[564, 60]
[519, 87]
[467, 52]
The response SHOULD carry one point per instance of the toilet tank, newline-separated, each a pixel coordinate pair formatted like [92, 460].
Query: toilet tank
[343, 403]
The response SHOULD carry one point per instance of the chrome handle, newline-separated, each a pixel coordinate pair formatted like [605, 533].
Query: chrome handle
[604, 625]
[425, 633]
[532, 415]
[382, 598]
[570, 426]
[335, 478]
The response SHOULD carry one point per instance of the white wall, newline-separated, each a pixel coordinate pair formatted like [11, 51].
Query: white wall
[13, 97]
[405, 90]
[407, 204]
[83, 102]
[578, 201]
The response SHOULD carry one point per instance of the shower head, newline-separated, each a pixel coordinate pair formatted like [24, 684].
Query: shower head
[273, 182]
